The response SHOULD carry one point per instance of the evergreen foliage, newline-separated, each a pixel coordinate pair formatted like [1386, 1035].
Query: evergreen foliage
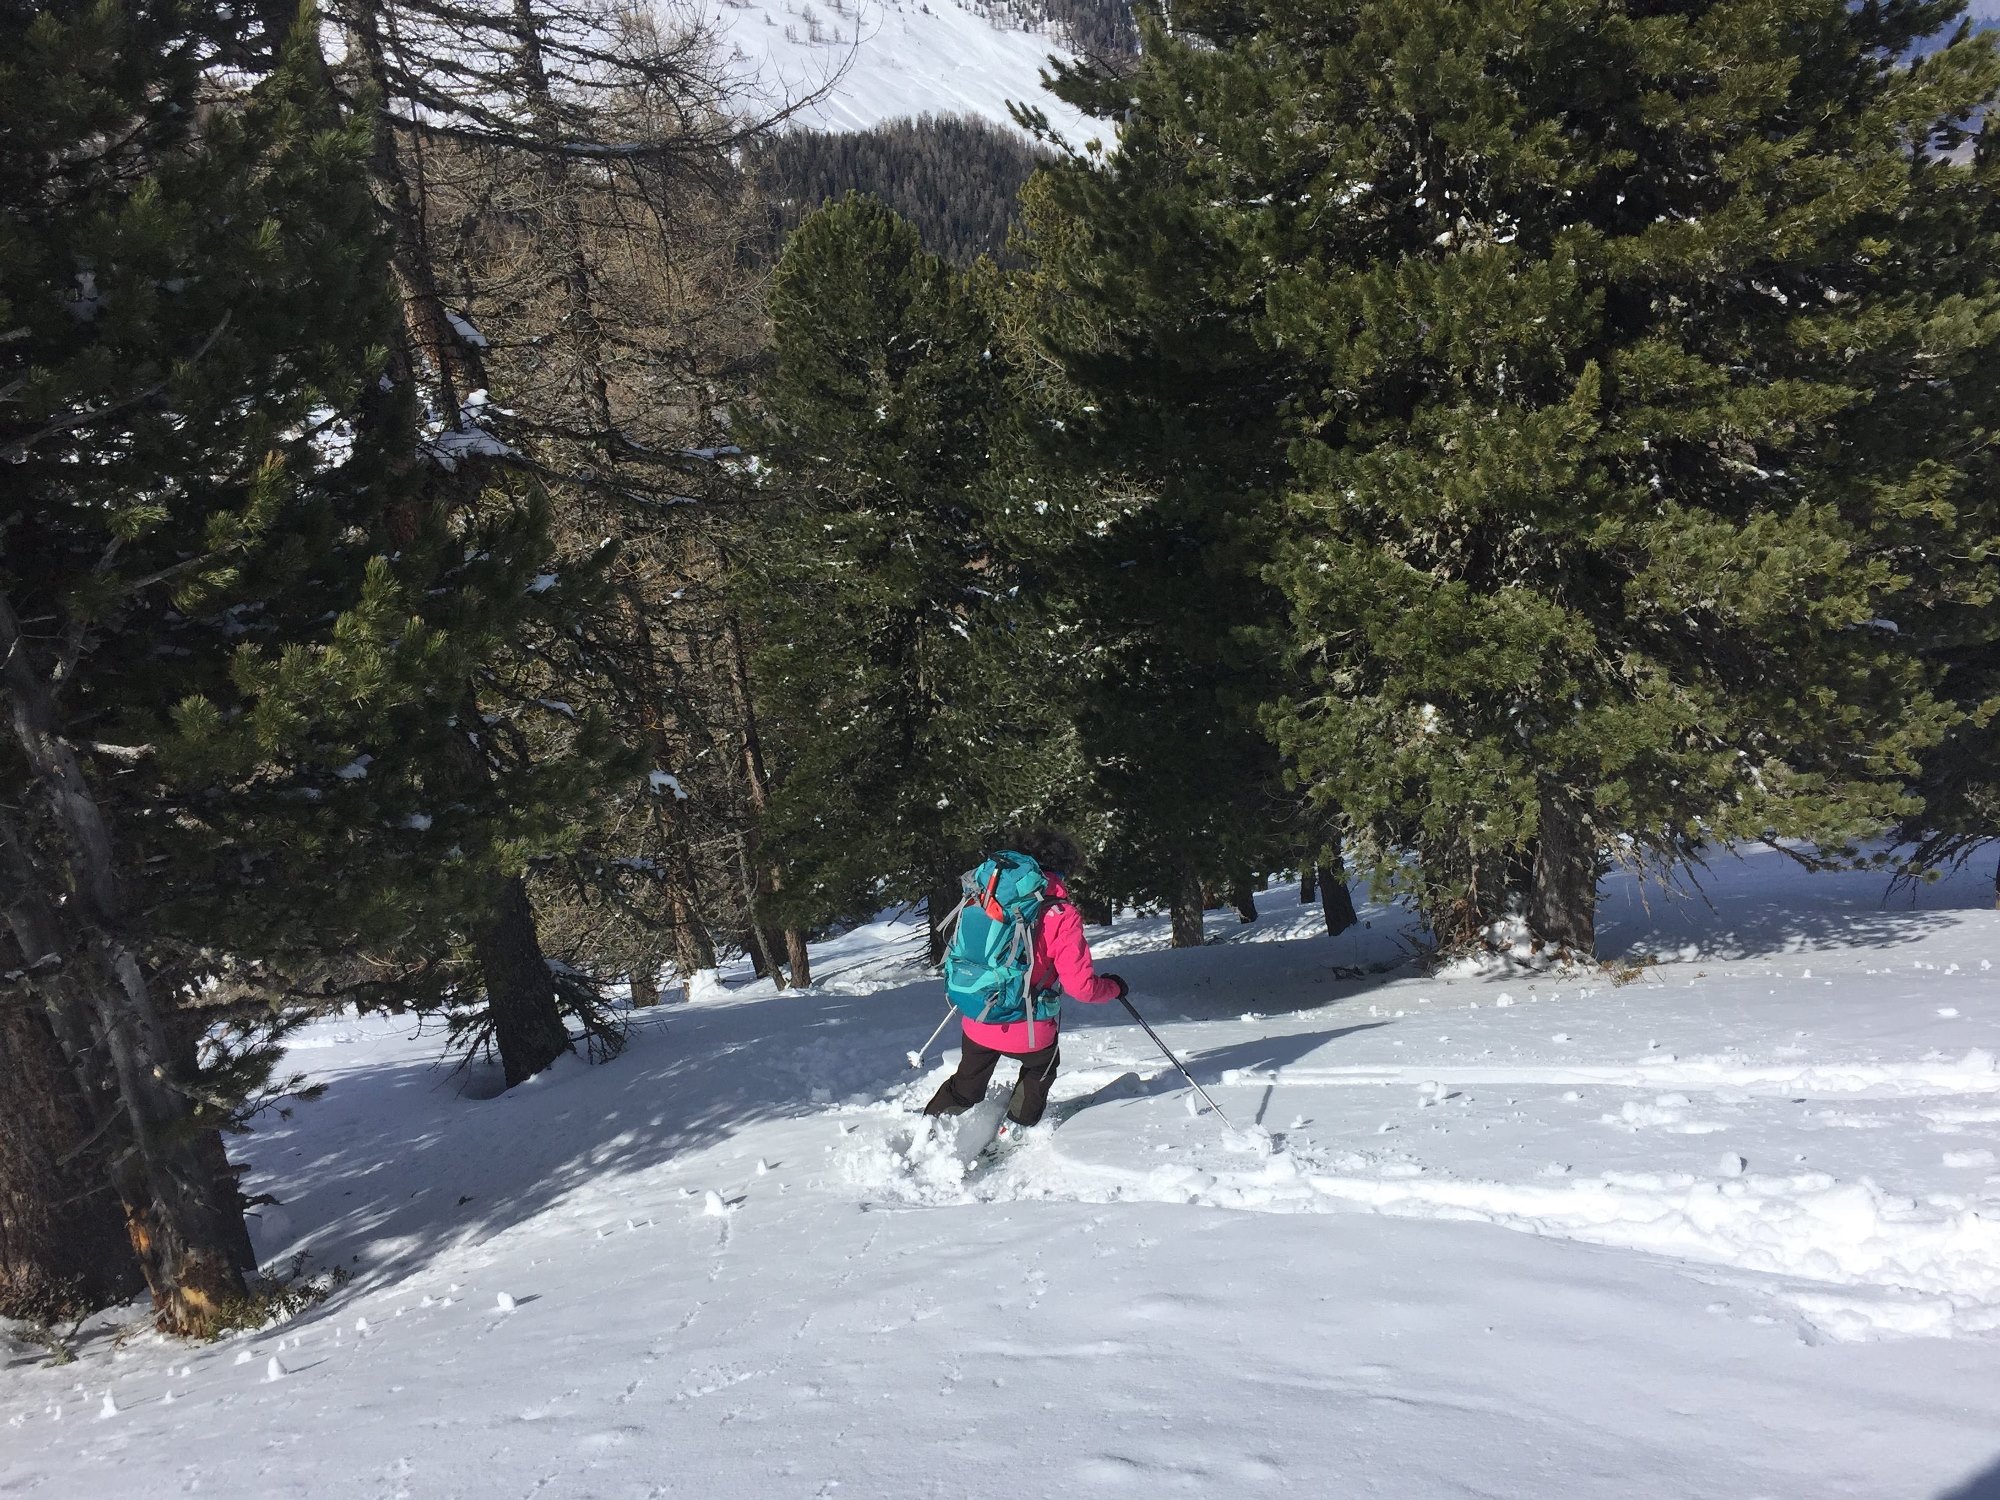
[190, 300]
[1956, 623]
[282, 636]
[1614, 356]
[875, 440]
[1166, 413]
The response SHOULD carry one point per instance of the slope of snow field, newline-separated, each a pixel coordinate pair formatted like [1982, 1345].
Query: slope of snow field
[880, 60]
[1727, 1229]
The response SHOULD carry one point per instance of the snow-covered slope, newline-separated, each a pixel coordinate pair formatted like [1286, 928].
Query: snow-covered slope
[1729, 1228]
[890, 59]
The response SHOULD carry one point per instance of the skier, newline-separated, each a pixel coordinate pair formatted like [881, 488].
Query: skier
[1061, 958]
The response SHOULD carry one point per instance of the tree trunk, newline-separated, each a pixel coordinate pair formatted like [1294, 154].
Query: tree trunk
[64, 1249]
[1187, 908]
[1308, 885]
[938, 907]
[798, 957]
[580, 325]
[181, 1233]
[186, 1029]
[694, 946]
[455, 366]
[645, 983]
[520, 995]
[757, 782]
[1243, 896]
[761, 945]
[1336, 902]
[1562, 900]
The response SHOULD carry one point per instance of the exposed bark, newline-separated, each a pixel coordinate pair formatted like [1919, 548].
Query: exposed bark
[693, 945]
[186, 1029]
[1562, 899]
[181, 1231]
[520, 993]
[1243, 896]
[1336, 902]
[645, 982]
[759, 941]
[758, 786]
[1187, 908]
[583, 333]
[1308, 884]
[455, 367]
[63, 1245]
[528, 1028]
[797, 956]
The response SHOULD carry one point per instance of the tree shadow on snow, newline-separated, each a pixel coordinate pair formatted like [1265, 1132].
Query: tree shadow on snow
[1266, 1053]
[1761, 905]
[397, 1162]
[1982, 1486]
[1262, 1053]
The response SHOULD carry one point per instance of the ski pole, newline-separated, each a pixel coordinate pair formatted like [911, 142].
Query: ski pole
[1176, 1062]
[917, 1057]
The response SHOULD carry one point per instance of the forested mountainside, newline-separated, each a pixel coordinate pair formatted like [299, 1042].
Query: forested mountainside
[1102, 27]
[955, 177]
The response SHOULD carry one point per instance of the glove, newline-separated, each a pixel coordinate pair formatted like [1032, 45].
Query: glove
[1123, 989]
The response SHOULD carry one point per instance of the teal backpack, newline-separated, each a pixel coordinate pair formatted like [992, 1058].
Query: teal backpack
[991, 947]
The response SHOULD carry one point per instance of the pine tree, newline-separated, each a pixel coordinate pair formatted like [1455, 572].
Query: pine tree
[176, 287]
[1166, 420]
[875, 438]
[244, 615]
[1955, 619]
[1611, 339]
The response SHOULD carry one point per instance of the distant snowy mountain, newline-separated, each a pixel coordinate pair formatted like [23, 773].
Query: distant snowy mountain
[883, 60]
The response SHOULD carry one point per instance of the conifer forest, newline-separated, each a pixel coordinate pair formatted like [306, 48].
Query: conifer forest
[500, 517]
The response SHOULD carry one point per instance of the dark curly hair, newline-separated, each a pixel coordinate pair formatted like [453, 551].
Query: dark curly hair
[1050, 849]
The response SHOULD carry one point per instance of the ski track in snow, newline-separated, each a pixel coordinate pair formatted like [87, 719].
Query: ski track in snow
[1752, 1203]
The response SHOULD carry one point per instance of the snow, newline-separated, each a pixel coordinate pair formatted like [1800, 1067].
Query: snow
[464, 328]
[1732, 1225]
[881, 60]
[451, 447]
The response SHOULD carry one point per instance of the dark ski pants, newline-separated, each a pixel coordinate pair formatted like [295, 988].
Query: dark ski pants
[976, 1063]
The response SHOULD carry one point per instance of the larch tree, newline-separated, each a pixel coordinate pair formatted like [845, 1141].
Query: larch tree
[559, 181]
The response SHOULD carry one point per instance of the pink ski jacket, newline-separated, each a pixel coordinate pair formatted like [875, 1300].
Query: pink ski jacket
[1062, 958]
